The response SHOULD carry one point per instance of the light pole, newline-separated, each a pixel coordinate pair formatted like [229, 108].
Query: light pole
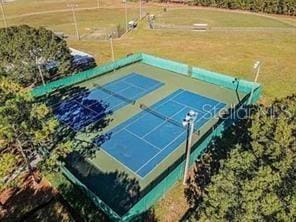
[3, 14]
[98, 3]
[256, 69]
[72, 6]
[125, 9]
[140, 9]
[40, 71]
[188, 122]
[111, 45]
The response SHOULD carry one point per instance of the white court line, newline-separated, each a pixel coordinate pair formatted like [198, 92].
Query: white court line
[136, 96]
[164, 122]
[121, 163]
[101, 99]
[111, 96]
[147, 162]
[131, 76]
[133, 85]
[160, 152]
[142, 139]
[164, 149]
[188, 106]
[144, 114]
[146, 91]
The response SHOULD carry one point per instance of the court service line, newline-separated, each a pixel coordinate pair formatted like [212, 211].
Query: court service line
[108, 109]
[117, 160]
[135, 75]
[134, 85]
[142, 88]
[146, 91]
[163, 122]
[191, 107]
[109, 96]
[170, 152]
[139, 95]
[142, 139]
[101, 99]
[160, 152]
[143, 115]
[136, 172]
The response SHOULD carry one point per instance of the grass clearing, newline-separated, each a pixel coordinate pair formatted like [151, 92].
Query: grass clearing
[87, 20]
[233, 53]
[217, 18]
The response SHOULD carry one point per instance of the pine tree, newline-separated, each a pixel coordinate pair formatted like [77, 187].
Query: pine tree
[26, 52]
[26, 128]
[257, 182]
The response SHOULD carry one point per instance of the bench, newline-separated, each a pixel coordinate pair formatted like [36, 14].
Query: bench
[200, 27]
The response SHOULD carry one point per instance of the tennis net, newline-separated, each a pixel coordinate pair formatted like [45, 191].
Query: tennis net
[160, 115]
[128, 100]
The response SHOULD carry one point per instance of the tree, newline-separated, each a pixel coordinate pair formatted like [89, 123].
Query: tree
[26, 52]
[257, 182]
[26, 129]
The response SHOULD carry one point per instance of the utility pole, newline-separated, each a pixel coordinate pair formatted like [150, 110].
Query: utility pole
[256, 69]
[126, 25]
[40, 71]
[188, 122]
[140, 9]
[3, 14]
[72, 6]
[111, 45]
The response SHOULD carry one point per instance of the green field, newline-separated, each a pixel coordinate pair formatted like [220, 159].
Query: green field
[217, 18]
[273, 41]
[227, 51]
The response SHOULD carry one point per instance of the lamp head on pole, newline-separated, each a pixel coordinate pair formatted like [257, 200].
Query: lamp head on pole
[257, 65]
[189, 118]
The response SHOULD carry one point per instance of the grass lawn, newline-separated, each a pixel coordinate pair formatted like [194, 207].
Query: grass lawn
[20, 7]
[217, 18]
[87, 20]
[230, 52]
[233, 53]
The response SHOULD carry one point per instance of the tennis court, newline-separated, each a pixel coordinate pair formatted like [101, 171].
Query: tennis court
[91, 106]
[144, 140]
[140, 148]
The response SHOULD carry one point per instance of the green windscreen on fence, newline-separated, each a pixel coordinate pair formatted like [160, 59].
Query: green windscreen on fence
[223, 80]
[198, 73]
[165, 64]
[86, 75]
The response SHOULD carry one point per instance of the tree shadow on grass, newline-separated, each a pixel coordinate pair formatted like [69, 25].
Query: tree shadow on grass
[209, 164]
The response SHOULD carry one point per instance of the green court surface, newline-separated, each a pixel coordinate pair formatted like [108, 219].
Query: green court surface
[134, 151]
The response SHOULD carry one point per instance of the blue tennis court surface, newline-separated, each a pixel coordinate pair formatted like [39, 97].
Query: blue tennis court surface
[146, 139]
[91, 106]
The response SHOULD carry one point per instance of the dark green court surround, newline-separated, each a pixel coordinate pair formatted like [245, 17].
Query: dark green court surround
[112, 185]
